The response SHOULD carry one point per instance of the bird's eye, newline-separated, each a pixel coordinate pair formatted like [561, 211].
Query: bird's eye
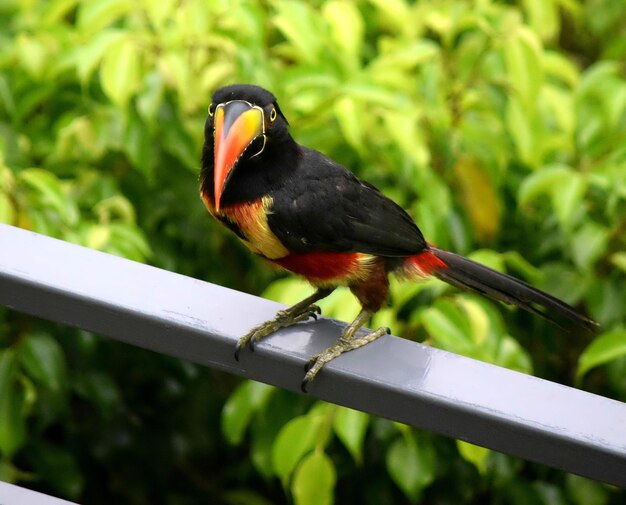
[273, 114]
[211, 110]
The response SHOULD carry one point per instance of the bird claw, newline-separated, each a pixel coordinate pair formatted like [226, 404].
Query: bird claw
[283, 319]
[345, 344]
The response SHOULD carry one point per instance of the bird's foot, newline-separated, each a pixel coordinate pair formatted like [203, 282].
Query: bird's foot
[284, 318]
[344, 344]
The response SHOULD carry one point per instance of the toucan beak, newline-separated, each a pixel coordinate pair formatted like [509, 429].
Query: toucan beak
[237, 124]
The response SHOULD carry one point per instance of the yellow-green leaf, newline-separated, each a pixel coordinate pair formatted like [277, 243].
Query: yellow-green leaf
[43, 359]
[314, 480]
[295, 439]
[474, 454]
[603, 349]
[299, 23]
[350, 426]
[89, 56]
[12, 421]
[619, 260]
[589, 244]
[120, 71]
[7, 212]
[411, 465]
[350, 117]
[521, 124]
[543, 16]
[448, 327]
[522, 55]
[238, 410]
[479, 198]
[346, 27]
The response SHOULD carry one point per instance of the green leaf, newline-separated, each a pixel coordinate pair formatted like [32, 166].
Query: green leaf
[479, 196]
[510, 354]
[181, 145]
[559, 104]
[7, 212]
[564, 282]
[448, 327]
[289, 290]
[350, 426]
[584, 491]
[33, 54]
[314, 480]
[589, 244]
[402, 127]
[619, 260]
[93, 16]
[567, 198]
[521, 125]
[477, 318]
[489, 257]
[543, 16]
[346, 28]
[43, 359]
[522, 266]
[541, 182]
[565, 187]
[295, 439]
[244, 497]
[55, 10]
[89, 56]
[474, 454]
[299, 23]
[412, 467]
[604, 348]
[522, 55]
[159, 11]
[57, 466]
[350, 117]
[241, 405]
[263, 433]
[12, 419]
[560, 66]
[120, 71]
[395, 12]
[593, 78]
[128, 240]
[49, 192]
[100, 390]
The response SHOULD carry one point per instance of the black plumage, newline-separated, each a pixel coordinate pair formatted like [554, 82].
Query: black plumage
[319, 220]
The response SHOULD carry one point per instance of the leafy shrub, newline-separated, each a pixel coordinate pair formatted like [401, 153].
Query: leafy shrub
[500, 126]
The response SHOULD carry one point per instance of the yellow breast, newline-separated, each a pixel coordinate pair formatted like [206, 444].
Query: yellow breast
[251, 219]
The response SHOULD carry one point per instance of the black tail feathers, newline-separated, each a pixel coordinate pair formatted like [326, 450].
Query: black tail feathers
[467, 274]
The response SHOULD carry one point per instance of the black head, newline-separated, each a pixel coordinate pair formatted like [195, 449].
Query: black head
[244, 123]
[247, 92]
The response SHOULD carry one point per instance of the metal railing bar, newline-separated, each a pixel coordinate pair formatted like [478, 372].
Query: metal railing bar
[394, 378]
[11, 494]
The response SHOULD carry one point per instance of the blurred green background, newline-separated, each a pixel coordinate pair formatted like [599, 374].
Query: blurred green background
[499, 125]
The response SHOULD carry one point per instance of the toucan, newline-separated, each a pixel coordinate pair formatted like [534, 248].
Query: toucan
[302, 211]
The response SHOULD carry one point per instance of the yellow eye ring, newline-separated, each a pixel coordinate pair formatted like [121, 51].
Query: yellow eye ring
[273, 115]
[211, 111]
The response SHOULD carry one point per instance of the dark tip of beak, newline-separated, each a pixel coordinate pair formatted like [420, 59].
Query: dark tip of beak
[232, 111]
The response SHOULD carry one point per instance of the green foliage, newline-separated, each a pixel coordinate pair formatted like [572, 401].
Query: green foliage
[411, 464]
[498, 125]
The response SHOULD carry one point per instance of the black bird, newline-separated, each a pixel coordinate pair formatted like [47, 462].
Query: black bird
[304, 212]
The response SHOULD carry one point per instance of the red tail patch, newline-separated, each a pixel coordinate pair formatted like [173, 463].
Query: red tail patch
[422, 264]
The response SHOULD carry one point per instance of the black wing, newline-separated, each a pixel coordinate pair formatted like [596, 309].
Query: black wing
[324, 207]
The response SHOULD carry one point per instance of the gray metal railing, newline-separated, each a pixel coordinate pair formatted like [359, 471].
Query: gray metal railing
[15, 495]
[394, 378]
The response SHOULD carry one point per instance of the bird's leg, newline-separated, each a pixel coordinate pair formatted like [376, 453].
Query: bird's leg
[347, 342]
[301, 311]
